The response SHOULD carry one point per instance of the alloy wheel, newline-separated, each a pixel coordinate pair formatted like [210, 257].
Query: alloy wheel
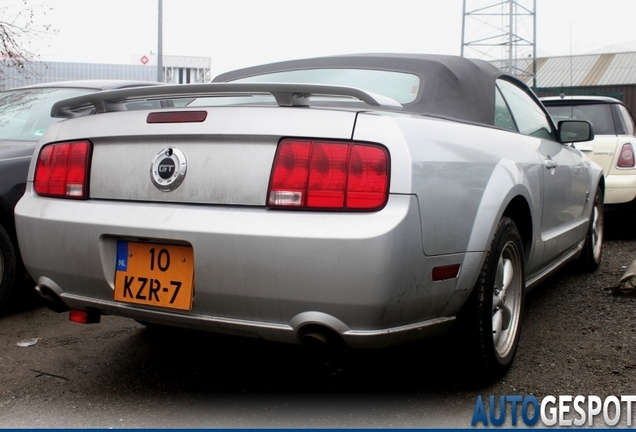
[506, 302]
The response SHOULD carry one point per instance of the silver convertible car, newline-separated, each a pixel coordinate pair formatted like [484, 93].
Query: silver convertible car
[361, 201]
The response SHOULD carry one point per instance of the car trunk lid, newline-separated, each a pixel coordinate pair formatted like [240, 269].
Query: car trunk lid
[228, 156]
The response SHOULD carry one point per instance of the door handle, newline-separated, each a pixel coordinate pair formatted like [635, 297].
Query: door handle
[550, 164]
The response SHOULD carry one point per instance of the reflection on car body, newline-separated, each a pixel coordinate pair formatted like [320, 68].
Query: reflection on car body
[368, 211]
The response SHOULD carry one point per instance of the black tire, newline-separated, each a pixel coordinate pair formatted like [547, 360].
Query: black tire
[490, 320]
[8, 264]
[592, 253]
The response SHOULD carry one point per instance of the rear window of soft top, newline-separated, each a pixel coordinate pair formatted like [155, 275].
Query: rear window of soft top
[399, 86]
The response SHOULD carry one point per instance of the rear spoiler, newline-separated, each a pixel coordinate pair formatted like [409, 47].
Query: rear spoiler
[286, 95]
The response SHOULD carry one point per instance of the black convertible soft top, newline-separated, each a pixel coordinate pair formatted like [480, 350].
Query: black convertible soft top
[453, 86]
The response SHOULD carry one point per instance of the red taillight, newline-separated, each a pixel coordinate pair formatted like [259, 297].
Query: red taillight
[62, 170]
[329, 175]
[626, 158]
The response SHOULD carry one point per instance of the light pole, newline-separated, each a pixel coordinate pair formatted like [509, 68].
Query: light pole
[160, 42]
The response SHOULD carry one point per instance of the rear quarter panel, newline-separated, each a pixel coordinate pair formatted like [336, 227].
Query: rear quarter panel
[464, 177]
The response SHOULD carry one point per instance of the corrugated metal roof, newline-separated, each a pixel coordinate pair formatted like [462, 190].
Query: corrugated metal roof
[565, 71]
[581, 70]
[598, 70]
[622, 70]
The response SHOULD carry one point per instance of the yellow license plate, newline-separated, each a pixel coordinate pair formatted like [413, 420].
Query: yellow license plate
[154, 274]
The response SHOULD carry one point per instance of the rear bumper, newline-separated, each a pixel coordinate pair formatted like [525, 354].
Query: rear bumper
[258, 272]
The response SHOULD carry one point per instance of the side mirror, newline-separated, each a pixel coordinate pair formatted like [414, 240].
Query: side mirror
[571, 131]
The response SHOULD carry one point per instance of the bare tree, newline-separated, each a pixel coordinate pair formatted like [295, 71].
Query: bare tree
[20, 29]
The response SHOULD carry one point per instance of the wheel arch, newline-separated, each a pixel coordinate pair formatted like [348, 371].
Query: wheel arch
[510, 192]
[519, 211]
[601, 183]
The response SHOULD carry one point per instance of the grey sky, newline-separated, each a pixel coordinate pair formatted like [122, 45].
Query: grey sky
[238, 33]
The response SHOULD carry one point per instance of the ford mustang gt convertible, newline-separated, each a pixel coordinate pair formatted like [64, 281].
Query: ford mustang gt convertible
[362, 201]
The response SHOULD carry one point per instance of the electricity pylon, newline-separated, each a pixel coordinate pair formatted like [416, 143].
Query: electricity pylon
[502, 32]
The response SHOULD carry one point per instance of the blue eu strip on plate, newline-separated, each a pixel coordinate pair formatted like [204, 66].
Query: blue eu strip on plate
[122, 255]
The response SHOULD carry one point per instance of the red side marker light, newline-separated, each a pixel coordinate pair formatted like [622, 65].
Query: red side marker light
[445, 272]
[83, 317]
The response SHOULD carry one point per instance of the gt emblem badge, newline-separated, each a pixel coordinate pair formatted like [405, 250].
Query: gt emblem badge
[168, 169]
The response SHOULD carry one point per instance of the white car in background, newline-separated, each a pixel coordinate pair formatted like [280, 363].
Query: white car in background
[613, 145]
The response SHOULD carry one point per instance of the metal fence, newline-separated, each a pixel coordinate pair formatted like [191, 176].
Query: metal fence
[44, 72]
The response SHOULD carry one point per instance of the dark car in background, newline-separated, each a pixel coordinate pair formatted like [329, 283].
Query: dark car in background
[613, 146]
[25, 113]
